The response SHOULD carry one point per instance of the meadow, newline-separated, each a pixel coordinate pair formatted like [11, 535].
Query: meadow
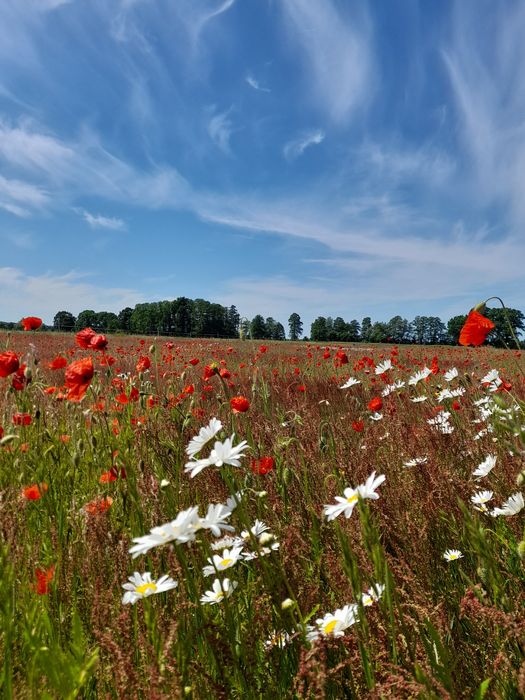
[305, 521]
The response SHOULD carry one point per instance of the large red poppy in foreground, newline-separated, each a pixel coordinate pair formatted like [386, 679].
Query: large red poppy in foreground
[475, 329]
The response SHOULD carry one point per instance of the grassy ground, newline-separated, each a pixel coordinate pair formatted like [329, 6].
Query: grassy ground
[84, 478]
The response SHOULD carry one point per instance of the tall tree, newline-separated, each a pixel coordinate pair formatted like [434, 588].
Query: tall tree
[86, 319]
[279, 333]
[366, 327]
[258, 327]
[318, 329]
[454, 327]
[124, 319]
[295, 326]
[64, 321]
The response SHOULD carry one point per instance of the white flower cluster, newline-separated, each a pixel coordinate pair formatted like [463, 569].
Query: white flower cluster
[222, 453]
[185, 526]
[442, 422]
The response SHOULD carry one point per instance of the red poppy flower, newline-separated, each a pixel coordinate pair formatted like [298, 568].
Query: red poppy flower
[194, 361]
[98, 342]
[8, 363]
[375, 404]
[83, 338]
[22, 419]
[340, 358]
[239, 404]
[19, 379]
[112, 475]
[209, 371]
[358, 426]
[34, 492]
[262, 466]
[1, 432]
[475, 329]
[98, 505]
[31, 323]
[43, 579]
[58, 363]
[78, 378]
[263, 348]
[143, 364]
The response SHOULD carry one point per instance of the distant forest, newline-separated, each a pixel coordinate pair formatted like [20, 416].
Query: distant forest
[198, 318]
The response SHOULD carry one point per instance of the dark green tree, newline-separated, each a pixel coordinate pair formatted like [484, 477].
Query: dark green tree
[86, 319]
[366, 327]
[501, 335]
[124, 319]
[258, 327]
[279, 333]
[454, 327]
[318, 330]
[295, 326]
[64, 321]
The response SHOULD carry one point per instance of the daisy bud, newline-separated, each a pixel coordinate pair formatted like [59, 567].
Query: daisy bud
[188, 690]
[521, 549]
[520, 479]
[287, 603]
[164, 483]
[262, 494]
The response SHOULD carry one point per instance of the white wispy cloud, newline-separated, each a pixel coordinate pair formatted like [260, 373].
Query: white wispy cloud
[296, 147]
[485, 67]
[21, 198]
[43, 295]
[98, 221]
[337, 49]
[220, 128]
[255, 84]
[66, 170]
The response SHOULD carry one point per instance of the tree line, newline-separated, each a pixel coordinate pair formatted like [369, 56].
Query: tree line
[199, 318]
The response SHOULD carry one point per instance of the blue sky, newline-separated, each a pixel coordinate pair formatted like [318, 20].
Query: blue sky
[325, 157]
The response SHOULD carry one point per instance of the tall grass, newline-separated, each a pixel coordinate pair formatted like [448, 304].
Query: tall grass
[440, 629]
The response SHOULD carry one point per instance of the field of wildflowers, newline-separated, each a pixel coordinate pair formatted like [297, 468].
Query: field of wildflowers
[229, 520]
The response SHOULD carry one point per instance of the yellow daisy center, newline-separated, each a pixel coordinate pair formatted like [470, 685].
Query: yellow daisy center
[329, 627]
[226, 562]
[352, 499]
[145, 587]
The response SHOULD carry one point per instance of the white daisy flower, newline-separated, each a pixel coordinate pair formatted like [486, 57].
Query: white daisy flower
[451, 374]
[512, 505]
[335, 624]
[222, 453]
[206, 433]
[220, 590]
[485, 467]
[344, 505]
[368, 489]
[376, 416]
[183, 529]
[350, 382]
[383, 367]
[452, 554]
[480, 498]
[373, 594]
[221, 562]
[419, 399]
[416, 462]
[141, 586]
[215, 517]
[419, 376]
